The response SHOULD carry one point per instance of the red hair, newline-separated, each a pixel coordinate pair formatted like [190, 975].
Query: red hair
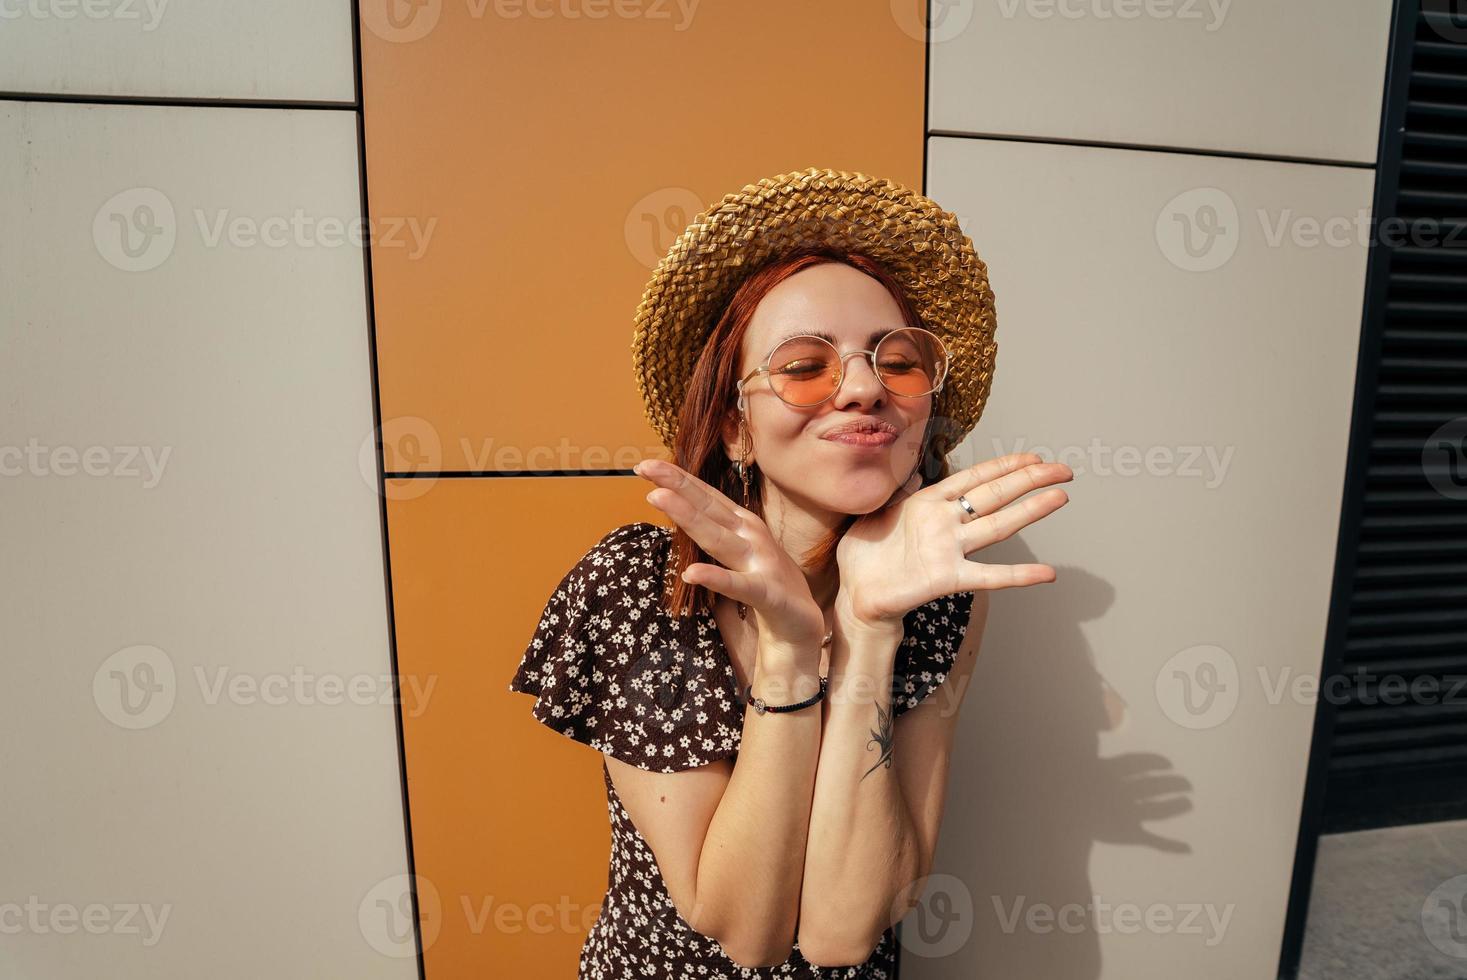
[711, 401]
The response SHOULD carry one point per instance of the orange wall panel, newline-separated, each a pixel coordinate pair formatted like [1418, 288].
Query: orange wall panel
[527, 171]
[510, 834]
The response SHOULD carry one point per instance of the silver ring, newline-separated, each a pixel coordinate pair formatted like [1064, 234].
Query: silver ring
[967, 506]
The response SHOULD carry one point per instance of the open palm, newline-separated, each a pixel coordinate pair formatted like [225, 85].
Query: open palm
[915, 549]
[754, 569]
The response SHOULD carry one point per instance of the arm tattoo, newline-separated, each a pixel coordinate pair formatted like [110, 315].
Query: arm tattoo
[883, 736]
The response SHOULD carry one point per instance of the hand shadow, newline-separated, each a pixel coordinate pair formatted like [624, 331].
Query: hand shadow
[1029, 793]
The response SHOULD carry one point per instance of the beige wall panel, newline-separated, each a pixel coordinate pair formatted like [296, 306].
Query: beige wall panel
[207, 49]
[1301, 79]
[196, 727]
[1125, 741]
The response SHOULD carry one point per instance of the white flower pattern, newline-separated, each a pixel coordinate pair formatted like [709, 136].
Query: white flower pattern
[611, 668]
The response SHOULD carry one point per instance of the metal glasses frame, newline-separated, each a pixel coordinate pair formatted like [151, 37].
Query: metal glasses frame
[764, 368]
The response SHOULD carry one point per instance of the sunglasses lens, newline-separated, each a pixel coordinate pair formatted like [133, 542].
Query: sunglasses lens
[804, 370]
[910, 362]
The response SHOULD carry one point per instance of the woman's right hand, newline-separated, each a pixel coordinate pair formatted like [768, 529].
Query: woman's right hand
[755, 569]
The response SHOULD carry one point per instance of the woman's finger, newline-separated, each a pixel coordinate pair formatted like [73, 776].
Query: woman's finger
[1000, 524]
[964, 480]
[725, 581]
[698, 494]
[721, 542]
[989, 497]
[981, 576]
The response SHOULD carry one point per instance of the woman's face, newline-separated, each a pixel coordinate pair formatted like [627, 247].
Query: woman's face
[792, 447]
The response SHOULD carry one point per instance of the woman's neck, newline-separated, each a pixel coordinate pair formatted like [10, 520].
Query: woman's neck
[799, 528]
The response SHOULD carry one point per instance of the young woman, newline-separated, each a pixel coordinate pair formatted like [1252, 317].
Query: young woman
[774, 682]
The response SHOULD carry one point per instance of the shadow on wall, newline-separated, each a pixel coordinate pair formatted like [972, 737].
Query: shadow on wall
[1030, 795]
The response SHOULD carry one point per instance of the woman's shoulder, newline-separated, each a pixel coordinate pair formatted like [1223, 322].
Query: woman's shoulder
[638, 535]
[626, 558]
[610, 668]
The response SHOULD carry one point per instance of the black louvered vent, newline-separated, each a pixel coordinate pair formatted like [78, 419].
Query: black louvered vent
[1400, 758]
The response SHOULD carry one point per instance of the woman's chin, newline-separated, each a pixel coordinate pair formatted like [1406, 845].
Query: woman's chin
[861, 496]
[873, 471]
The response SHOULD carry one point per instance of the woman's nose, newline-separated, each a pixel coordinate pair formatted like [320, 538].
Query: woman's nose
[858, 380]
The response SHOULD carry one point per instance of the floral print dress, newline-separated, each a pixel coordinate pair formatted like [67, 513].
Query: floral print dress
[610, 667]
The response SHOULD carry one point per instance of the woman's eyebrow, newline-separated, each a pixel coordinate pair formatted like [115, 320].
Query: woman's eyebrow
[871, 339]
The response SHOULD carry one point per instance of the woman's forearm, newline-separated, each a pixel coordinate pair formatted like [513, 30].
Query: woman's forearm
[863, 850]
[750, 869]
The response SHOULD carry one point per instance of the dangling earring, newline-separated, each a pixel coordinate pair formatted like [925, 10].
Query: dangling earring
[742, 467]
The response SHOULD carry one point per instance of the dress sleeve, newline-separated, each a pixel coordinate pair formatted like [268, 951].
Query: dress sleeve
[611, 669]
[933, 633]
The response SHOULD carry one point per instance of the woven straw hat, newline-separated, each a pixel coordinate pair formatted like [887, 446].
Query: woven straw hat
[918, 242]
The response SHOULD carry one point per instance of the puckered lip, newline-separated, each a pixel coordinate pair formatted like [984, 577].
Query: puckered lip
[863, 423]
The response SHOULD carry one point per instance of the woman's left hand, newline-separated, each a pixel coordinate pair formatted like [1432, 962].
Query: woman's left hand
[915, 548]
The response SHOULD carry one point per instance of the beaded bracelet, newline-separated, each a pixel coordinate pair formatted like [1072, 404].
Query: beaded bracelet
[760, 707]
